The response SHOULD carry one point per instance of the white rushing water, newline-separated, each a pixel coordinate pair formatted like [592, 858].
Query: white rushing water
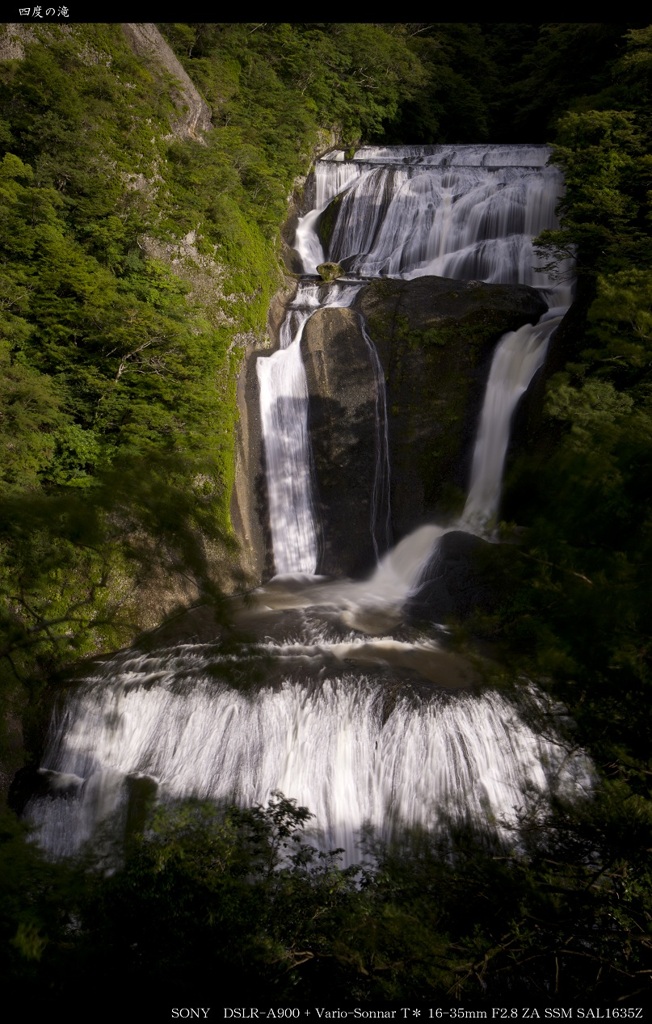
[518, 356]
[356, 720]
[332, 744]
[381, 529]
[466, 212]
[284, 421]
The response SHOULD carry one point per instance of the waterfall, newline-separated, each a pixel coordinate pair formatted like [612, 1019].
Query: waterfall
[358, 719]
[468, 212]
[333, 743]
[284, 420]
[381, 529]
[518, 356]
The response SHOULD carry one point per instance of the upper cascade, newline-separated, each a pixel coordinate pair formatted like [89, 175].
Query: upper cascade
[466, 212]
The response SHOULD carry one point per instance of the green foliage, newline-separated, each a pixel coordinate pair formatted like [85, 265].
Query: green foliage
[83, 570]
[605, 205]
[620, 324]
[32, 897]
[130, 366]
[570, 66]
[586, 584]
[30, 412]
[240, 894]
[297, 78]
[451, 105]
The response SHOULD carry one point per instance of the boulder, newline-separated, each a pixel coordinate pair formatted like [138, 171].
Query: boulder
[466, 575]
[330, 271]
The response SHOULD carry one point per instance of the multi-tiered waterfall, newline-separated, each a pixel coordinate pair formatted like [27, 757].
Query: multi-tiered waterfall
[359, 717]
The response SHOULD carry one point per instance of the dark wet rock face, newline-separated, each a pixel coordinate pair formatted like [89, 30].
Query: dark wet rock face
[435, 338]
[341, 421]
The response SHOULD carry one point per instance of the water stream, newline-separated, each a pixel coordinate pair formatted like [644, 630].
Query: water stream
[336, 700]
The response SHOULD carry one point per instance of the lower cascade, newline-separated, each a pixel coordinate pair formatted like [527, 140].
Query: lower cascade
[340, 744]
[336, 699]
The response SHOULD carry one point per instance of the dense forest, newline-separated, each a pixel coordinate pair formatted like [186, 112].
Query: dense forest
[139, 258]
